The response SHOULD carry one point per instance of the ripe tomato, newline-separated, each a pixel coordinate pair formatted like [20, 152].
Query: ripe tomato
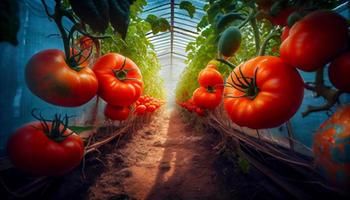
[210, 77]
[32, 150]
[199, 111]
[120, 80]
[273, 95]
[331, 147]
[85, 42]
[116, 112]
[141, 109]
[151, 108]
[49, 77]
[339, 71]
[208, 98]
[314, 40]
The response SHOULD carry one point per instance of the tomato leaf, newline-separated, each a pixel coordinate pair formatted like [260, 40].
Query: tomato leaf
[186, 5]
[9, 21]
[157, 24]
[243, 164]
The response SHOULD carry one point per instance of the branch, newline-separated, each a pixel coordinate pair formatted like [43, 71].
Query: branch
[329, 94]
[271, 35]
[228, 63]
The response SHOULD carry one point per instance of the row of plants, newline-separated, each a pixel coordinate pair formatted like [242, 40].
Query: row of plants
[106, 56]
[248, 57]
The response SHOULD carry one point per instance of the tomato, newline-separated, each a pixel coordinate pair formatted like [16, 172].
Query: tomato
[315, 40]
[85, 42]
[199, 111]
[116, 112]
[285, 33]
[151, 108]
[210, 77]
[331, 147]
[339, 71]
[141, 109]
[49, 77]
[32, 150]
[230, 41]
[120, 80]
[273, 95]
[208, 98]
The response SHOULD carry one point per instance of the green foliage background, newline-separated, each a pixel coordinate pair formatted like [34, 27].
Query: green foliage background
[139, 49]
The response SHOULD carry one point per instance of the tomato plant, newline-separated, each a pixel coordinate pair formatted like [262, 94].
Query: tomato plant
[263, 92]
[116, 112]
[120, 80]
[60, 82]
[45, 147]
[315, 40]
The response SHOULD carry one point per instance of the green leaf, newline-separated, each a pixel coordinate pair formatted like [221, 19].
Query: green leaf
[186, 5]
[80, 129]
[243, 164]
[157, 24]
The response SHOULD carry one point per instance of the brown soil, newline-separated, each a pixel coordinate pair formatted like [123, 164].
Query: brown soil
[164, 160]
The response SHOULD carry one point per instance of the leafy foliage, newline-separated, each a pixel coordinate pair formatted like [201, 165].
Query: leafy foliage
[138, 48]
[186, 5]
[158, 24]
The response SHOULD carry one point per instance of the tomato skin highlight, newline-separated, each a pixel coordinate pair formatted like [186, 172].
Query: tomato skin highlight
[315, 40]
[116, 112]
[339, 71]
[285, 33]
[31, 151]
[50, 78]
[280, 94]
[113, 90]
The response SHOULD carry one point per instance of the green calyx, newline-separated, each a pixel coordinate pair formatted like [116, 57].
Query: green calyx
[59, 126]
[246, 85]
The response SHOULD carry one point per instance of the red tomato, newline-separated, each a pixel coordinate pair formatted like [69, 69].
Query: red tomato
[285, 33]
[49, 77]
[199, 111]
[210, 77]
[151, 108]
[85, 42]
[32, 150]
[274, 94]
[120, 80]
[315, 40]
[141, 109]
[116, 112]
[207, 98]
[339, 71]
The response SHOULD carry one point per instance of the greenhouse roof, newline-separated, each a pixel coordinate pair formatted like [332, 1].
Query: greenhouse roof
[172, 44]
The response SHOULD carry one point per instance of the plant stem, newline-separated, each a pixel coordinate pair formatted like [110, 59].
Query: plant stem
[256, 34]
[271, 35]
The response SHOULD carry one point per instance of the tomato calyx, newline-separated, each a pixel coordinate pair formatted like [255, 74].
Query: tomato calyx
[246, 85]
[75, 61]
[121, 74]
[55, 131]
[211, 89]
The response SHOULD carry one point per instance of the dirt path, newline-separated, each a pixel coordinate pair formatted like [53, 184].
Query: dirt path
[165, 160]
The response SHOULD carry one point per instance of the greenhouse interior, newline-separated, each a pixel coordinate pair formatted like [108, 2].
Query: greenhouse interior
[174, 99]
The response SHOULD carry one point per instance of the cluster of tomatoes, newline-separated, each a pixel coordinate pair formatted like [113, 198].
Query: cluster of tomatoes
[148, 104]
[209, 94]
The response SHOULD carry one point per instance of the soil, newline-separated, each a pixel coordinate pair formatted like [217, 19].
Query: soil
[166, 159]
